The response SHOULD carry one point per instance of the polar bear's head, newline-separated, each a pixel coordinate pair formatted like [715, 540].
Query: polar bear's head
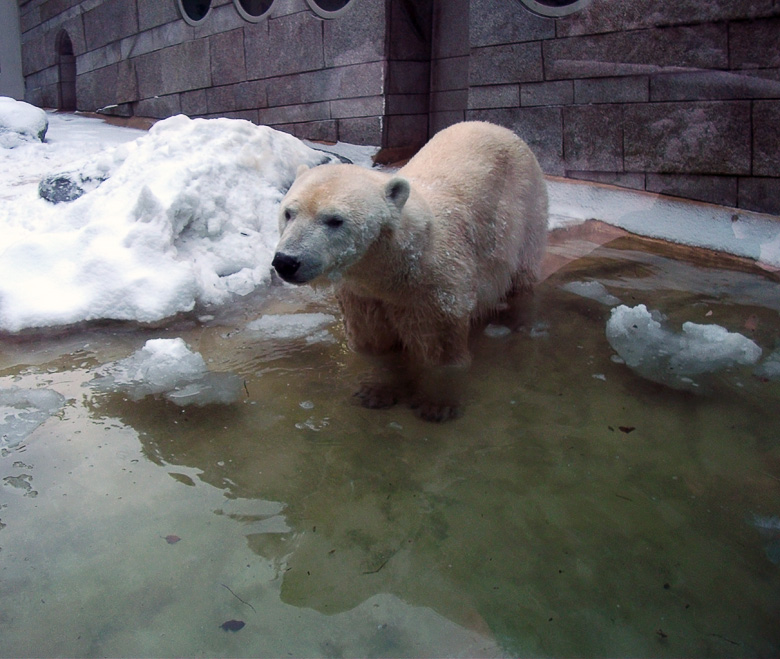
[330, 218]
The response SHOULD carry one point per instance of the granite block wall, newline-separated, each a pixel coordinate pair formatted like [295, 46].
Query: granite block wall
[320, 79]
[681, 98]
[675, 97]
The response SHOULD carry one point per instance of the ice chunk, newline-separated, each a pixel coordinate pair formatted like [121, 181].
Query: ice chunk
[593, 290]
[769, 529]
[674, 359]
[294, 326]
[23, 410]
[169, 368]
[769, 369]
[20, 122]
[495, 331]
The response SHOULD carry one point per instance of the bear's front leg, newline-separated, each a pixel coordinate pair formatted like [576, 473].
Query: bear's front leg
[370, 333]
[384, 384]
[441, 382]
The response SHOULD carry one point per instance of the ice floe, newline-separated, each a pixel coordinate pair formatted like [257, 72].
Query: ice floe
[23, 410]
[168, 368]
[672, 358]
[309, 326]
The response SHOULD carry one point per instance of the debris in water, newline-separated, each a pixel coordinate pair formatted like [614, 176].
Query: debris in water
[626, 429]
[232, 625]
[172, 539]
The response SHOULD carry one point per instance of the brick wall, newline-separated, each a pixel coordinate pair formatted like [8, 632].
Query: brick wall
[676, 97]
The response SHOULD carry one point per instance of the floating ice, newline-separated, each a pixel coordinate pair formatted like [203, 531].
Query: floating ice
[186, 215]
[495, 331]
[593, 290]
[769, 529]
[673, 359]
[169, 368]
[769, 369]
[23, 410]
[310, 326]
[20, 123]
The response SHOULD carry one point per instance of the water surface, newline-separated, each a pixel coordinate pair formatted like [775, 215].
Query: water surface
[576, 509]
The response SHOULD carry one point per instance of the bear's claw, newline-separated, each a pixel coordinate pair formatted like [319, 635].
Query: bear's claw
[437, 412]
[375, 397]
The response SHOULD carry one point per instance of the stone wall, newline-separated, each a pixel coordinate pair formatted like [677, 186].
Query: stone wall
[675, 97]
[320, 79]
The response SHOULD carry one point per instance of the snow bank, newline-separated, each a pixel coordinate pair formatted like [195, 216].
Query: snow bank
[23, 410]
[734, 231]
[167, 367]
[673, 359]
[20, 122]
[186, 215]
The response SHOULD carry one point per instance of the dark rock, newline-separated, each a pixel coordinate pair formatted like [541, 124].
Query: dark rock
[59, 188]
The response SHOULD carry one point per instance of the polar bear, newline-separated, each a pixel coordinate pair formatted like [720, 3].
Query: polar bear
[419, 256]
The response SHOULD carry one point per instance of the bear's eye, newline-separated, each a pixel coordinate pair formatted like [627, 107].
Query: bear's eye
[333, 221]
[287, 215]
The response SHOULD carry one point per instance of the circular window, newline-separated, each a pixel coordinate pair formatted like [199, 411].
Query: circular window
[194, 11]
[329, 8]
[555, 8]
[253, 10]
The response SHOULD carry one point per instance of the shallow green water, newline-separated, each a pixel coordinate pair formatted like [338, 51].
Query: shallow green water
[574, 510]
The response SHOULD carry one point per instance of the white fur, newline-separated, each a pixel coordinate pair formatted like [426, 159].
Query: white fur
[423, 253]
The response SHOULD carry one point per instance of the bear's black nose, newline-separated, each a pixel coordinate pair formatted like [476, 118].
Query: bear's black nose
[285, 265]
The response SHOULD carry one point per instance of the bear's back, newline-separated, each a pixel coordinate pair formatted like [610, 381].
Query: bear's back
[489, 198]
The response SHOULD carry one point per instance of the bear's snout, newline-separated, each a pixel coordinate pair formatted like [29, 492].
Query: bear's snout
[286, 266]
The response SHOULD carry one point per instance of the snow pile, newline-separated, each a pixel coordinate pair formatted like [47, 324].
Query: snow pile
[20, 122]
[23, 410]
[673, 359]
[186, 215]
[169, 368]
[310, 326]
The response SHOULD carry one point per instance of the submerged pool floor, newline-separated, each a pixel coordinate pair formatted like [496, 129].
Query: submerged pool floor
[576, 509]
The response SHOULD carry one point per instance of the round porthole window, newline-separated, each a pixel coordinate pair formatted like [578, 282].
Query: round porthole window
[253, 10]
[555, 8]
[194, 11]
[329, 8]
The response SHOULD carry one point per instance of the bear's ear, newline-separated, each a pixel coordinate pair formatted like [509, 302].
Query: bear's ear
[301, 170]
[397, 191]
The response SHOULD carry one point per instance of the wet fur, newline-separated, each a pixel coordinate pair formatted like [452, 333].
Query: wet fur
[470, 235]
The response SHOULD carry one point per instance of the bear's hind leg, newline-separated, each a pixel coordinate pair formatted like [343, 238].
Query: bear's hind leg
[440, 384]
[520, 307]
[385, 384]
[371, 334]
